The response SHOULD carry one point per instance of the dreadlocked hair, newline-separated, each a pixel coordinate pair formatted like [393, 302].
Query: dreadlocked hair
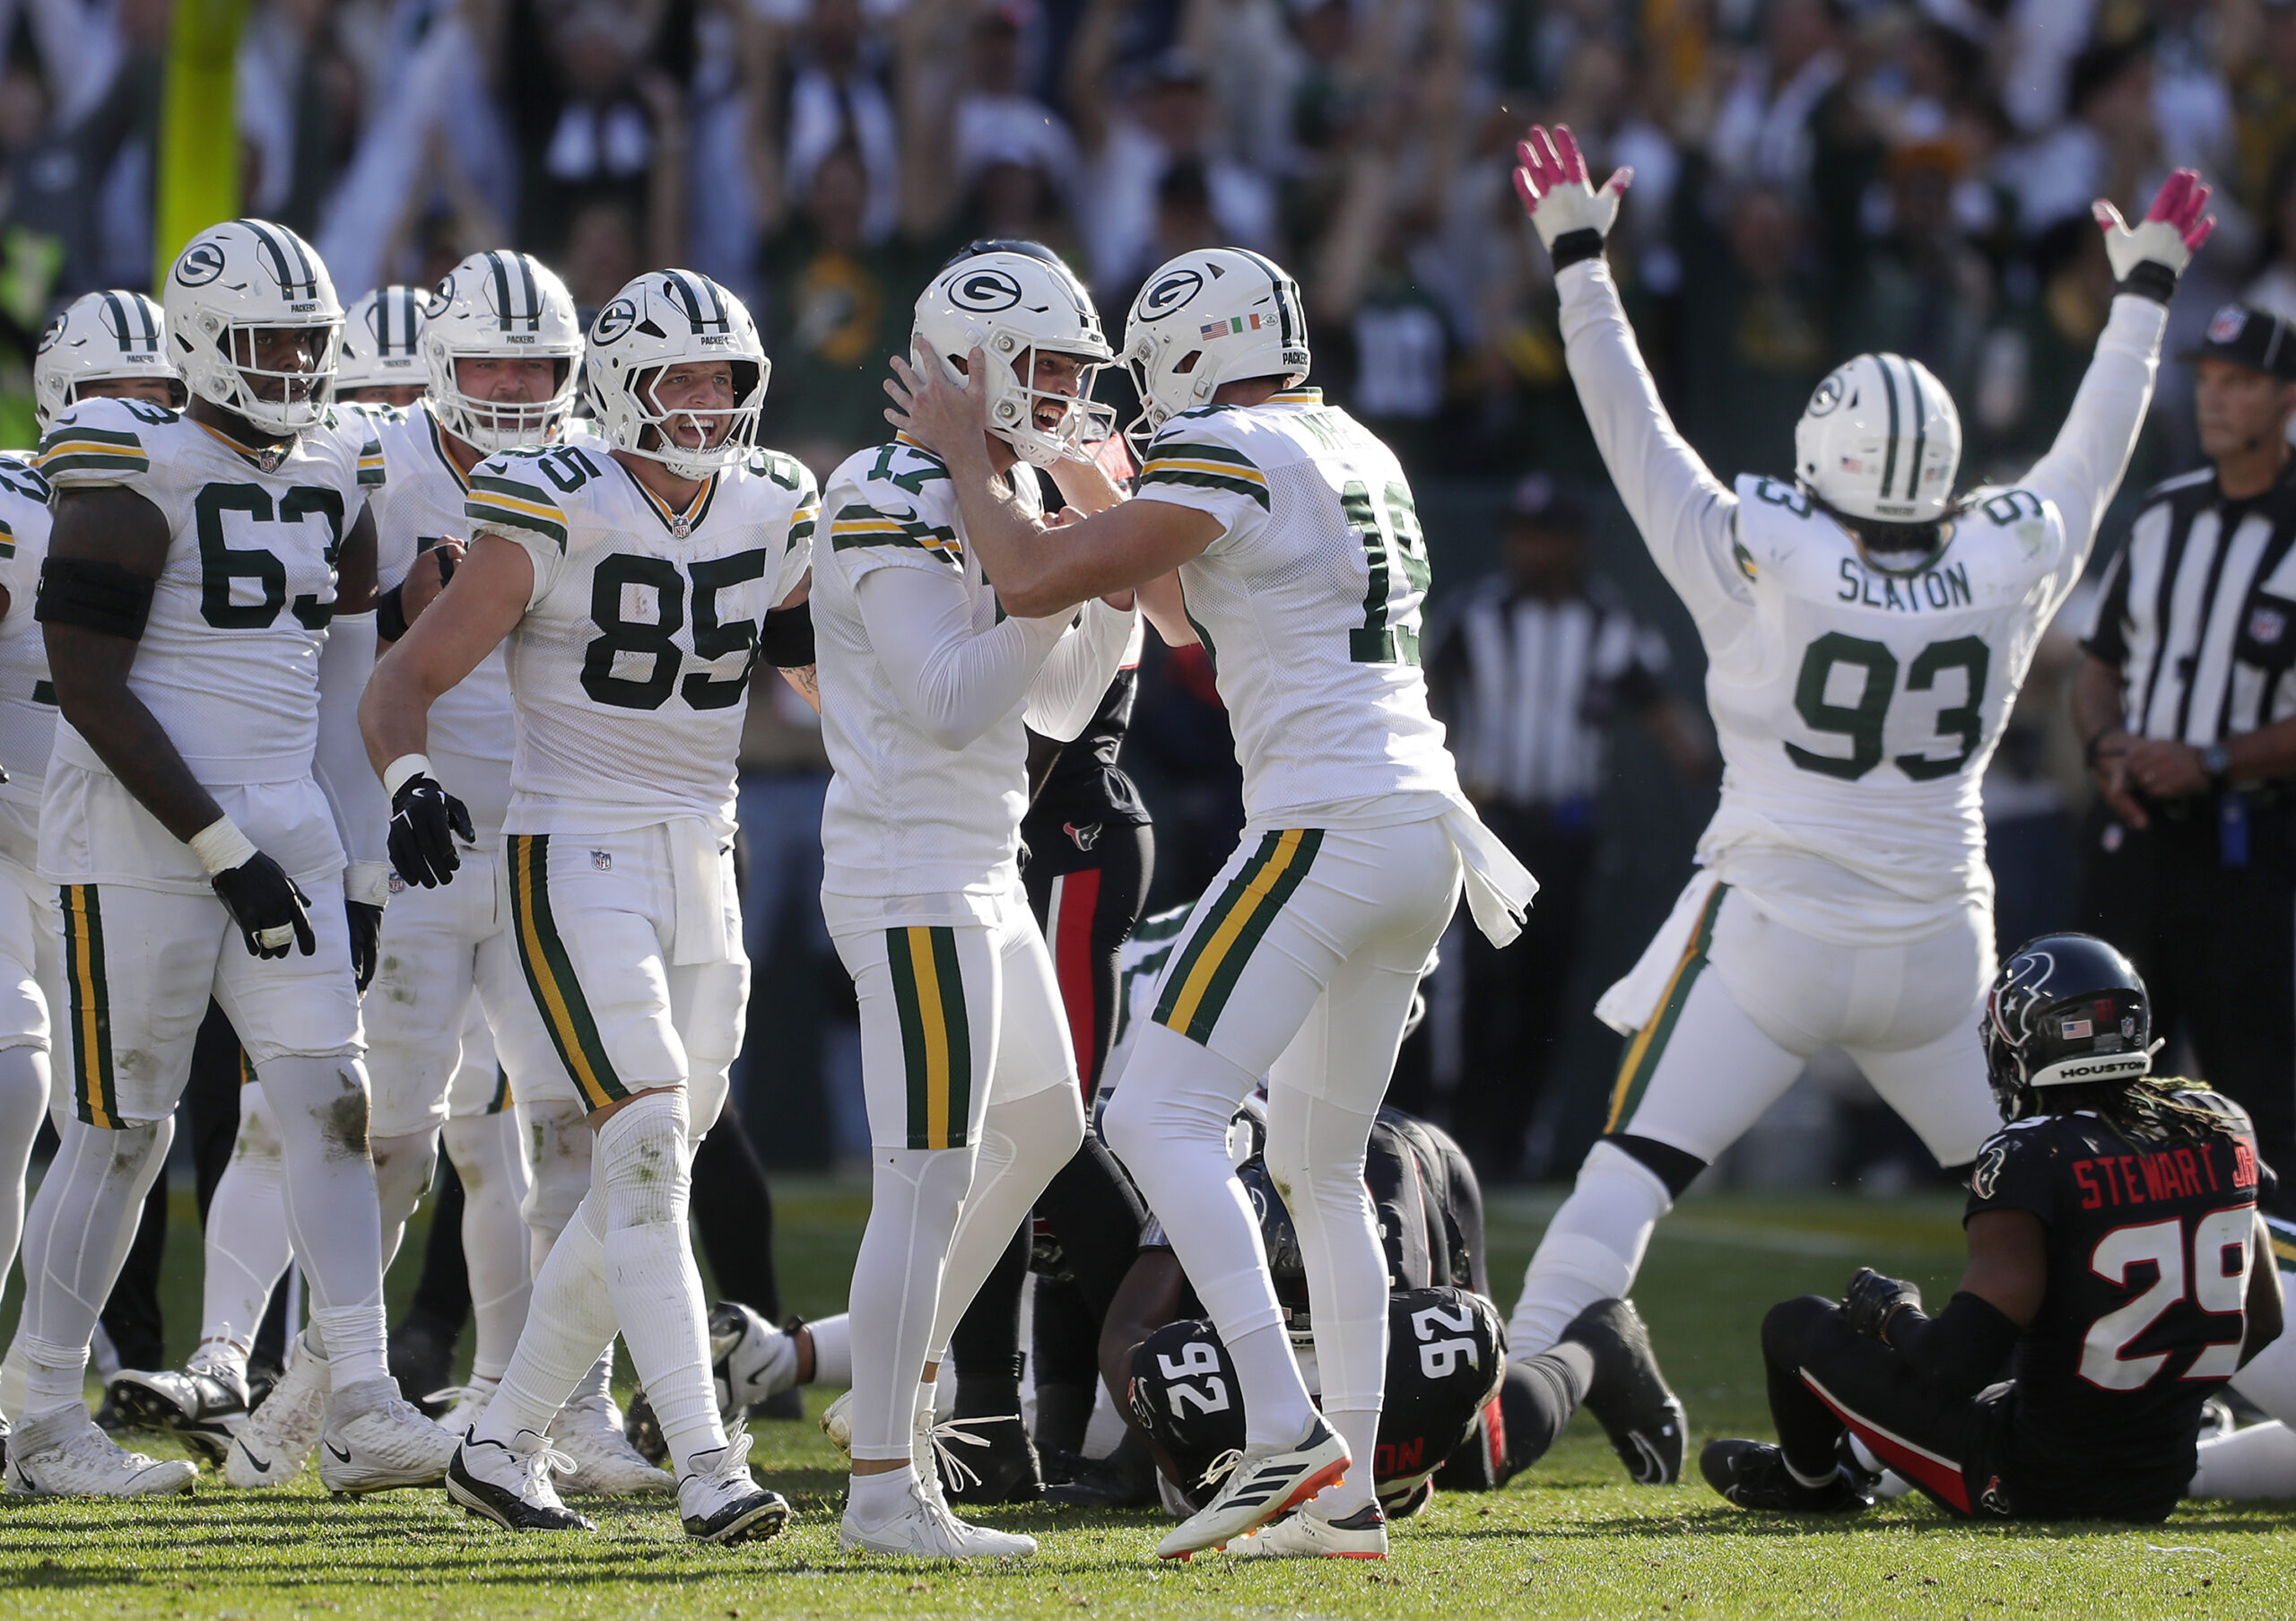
[2146, 1110]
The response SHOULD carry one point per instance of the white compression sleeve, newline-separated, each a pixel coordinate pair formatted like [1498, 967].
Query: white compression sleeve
[1592, 1250]
[362, 811]
[559, 1143]
[957, 683]
[571, 1320]
[2084, 467]
[247, 1248]
[333, 1215]
[485, 1152]
[915, 1195]
[833, 1349]
[23, 1104]
[75, 1238]
[1068, 690]
[1687, 517]
[1023, 1144]
[404, 1167]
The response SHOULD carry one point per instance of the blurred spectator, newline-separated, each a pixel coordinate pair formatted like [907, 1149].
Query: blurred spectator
[1527, 670]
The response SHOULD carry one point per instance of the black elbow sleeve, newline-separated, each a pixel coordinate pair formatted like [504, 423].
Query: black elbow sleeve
[788, 643]
[1962, 1349]
[95, 595]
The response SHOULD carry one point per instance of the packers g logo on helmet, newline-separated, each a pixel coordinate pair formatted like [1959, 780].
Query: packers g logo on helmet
[614, 322]
[1171, 293]
[985, 291]
[199, 264]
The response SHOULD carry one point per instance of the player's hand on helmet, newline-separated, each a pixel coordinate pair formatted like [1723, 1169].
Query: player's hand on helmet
[940, 415]
[2148, 257]
[1551, 180]
[425, 822]
[1872, 1299]
[273, 914]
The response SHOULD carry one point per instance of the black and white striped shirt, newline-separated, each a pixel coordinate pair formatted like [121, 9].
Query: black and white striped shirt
[1527, 685]
[2198, 611]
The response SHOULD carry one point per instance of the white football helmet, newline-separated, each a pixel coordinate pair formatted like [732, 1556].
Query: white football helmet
[663, 317]
[381, 333]
[1207, 318]
[99, 337]
[501, 305]
[236, 280]
[1014, 300]
[1880, 441]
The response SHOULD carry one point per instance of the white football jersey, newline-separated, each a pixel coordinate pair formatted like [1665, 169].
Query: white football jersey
[904, 816]
[27, 698]
[629, 673]
[424, 500]
[1309, 606]
[230, 659]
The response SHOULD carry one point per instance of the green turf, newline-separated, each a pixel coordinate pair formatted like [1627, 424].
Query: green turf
[1567, 1540]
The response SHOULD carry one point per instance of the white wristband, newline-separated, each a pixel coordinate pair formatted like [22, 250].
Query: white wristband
[369, 883]
[396, 773]
[221, 846]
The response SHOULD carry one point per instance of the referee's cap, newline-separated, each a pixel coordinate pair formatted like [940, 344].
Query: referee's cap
[2249, 337]
[1539, 501]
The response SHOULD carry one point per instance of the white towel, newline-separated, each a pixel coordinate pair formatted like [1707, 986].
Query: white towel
[1633, 1002]
[698, 870]
[1499, 886]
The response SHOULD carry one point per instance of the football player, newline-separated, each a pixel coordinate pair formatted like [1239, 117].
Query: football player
[2117, 1264]
[1458, 1413]
[382, 361]
[208, 605]
[634, 587]
[1866, 631]
[965, 1054]
[1293, 533]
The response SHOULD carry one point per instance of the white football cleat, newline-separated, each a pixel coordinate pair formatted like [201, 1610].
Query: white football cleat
[836, 1424]
[277, 1438]
[924, 1530]
[203, 1407]
[1307, 1535]
[1259, 1486]
[461, 1405]
[511, 1484]
[63, 1454]
[725, 1504]
[589, 1432]
[750, 1360]
[376, 1440]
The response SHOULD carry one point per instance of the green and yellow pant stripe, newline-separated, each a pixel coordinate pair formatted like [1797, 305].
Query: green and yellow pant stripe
[549, 975]
[1650, 1042]
[88, 999]
[1198, 985]
[936, 1035]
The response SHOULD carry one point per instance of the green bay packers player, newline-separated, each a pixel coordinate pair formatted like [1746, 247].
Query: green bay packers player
[1294, 536]
[634, 587]
[207, 602]
[1866, 631]
[382, 350]
[929, 689]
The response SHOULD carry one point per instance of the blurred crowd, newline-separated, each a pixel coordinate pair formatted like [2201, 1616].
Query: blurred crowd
[1812, 176]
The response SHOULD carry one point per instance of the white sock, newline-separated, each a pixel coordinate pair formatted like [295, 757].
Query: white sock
[76, 1236]
[1023, 1144]
[2259, 1461]
[485, 1152]
[642, 1172]
[914, 1200]
[1316, 1152]
[1592, 1250]
[833, 1349]
[404, 1167]
[559, 1144]
[875, 1499]
[23, 1106]
[569, 1318]
[333, 1215]
[246, 1243]
[1168, 1123]
[597, 1378]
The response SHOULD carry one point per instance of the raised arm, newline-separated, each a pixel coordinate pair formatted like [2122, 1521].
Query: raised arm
[1687, 517]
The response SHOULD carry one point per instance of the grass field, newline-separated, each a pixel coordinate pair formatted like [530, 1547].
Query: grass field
[1569, 1539]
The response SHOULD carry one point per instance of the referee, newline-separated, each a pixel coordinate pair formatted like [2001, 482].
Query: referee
[2186, 706]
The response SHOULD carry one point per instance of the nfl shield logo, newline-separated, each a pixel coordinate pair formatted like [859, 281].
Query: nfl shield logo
[2226, 324]
[2267, 626]
[602, 860]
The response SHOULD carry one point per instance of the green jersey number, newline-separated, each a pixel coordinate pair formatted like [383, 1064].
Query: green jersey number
[713, 639]
[1862, 722]
[1392, 545]
[221, 563]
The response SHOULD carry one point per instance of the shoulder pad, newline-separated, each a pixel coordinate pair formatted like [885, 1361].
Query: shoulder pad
[782, 469]
[17, 474]
[2005, 507]
[524, 490]
[906, 499]
[1193, 449]
[100, 441]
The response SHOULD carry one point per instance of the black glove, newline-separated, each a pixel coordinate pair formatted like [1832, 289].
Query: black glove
[425, 822]
[262, 900]
[366, 940]
[1872, 1300]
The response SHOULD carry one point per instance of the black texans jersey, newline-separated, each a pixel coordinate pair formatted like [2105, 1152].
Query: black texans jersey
[1085, 786]
[2149, 1248]
[1447, 1350]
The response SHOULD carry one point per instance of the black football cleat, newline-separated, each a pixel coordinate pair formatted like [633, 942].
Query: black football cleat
[999, 1463]
[1629, 1398]
[512, 1487]
[1753, 1475]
